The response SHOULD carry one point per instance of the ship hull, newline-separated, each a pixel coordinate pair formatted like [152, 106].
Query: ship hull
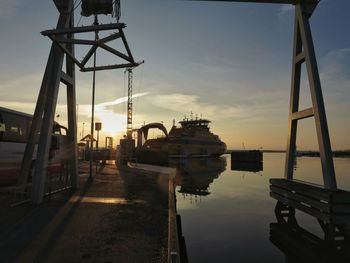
[187, 148]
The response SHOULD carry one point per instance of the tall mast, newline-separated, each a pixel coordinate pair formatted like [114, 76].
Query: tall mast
[129, 113]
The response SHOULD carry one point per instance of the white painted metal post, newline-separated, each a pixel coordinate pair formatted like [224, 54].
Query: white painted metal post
[304, 52]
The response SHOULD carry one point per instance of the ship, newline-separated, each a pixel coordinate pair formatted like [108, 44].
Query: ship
[195, 175]
[191, 139]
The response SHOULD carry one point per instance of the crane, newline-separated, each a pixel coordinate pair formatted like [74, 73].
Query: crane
[64, 39]
[129, 109]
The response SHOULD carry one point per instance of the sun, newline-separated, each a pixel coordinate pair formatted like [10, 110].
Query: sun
[112, 123]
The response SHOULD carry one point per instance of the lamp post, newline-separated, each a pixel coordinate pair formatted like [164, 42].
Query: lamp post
[82, 133]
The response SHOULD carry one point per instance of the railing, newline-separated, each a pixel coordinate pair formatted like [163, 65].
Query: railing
[57, 180]
[173, 233]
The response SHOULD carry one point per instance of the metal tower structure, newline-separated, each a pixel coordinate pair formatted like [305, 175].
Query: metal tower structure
[62, 48]
[303, 52]
[43, 118]
[129, 110]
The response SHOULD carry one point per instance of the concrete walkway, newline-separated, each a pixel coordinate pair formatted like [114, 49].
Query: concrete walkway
[118, 217]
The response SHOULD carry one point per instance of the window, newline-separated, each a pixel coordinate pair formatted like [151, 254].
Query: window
[2, 127]
[14, 127]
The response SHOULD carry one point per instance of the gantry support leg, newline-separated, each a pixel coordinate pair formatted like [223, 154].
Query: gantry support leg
[45, 111]
[304, 52]
[71, 105]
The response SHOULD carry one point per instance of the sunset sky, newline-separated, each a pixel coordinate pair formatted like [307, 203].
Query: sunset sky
[229, 62]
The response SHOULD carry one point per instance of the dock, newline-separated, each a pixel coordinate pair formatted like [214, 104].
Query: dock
[119, 216]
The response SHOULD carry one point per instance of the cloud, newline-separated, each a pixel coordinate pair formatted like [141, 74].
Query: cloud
[84, 109]
[335, 71]
[334, 63]
[121, 100]
[183, 103]
[12, 86]
[9, 7]
[286, 10]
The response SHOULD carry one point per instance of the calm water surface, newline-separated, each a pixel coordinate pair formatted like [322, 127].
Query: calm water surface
[226, 214]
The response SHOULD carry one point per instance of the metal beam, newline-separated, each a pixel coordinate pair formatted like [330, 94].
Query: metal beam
[317, 100]
[47, 118]
[72, 114]
[88, 55]
[117, 66]
[294, 103]
[37, 120]
[116, 52]
[66, 79]
[83, 29]
[300, 58]
[303, 114]
[93, 49]
[304, 52]
[74, 41]
[126, 45]
[85, 41]
[61, 42]
[65, 50]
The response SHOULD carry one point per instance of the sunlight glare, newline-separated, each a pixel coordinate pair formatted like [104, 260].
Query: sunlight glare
[112, 122]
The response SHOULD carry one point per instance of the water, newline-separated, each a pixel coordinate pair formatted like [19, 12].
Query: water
[229, 219]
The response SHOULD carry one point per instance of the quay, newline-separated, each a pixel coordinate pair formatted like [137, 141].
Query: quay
[119, 216]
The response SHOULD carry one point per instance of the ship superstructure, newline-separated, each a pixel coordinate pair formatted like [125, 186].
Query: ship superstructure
[192, 139]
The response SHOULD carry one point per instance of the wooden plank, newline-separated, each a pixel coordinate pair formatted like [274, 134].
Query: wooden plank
[334, 218]
[331, 208]
[309, 210]
[331, 196]
[317, 204]
[303, 188]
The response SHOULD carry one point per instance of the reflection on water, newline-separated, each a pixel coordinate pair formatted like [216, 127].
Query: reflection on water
[233, 221]
[247, 166]
[195, 175]
[301, 246]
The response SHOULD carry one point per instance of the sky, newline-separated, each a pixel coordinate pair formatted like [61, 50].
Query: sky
[227, 62]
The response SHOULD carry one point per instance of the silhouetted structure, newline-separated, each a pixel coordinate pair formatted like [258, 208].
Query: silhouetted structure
[194, 176]
[62, 49]
[300, 245]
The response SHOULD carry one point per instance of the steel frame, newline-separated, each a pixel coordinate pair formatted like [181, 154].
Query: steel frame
[43, 118]
[303, 52]
[59, 39]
